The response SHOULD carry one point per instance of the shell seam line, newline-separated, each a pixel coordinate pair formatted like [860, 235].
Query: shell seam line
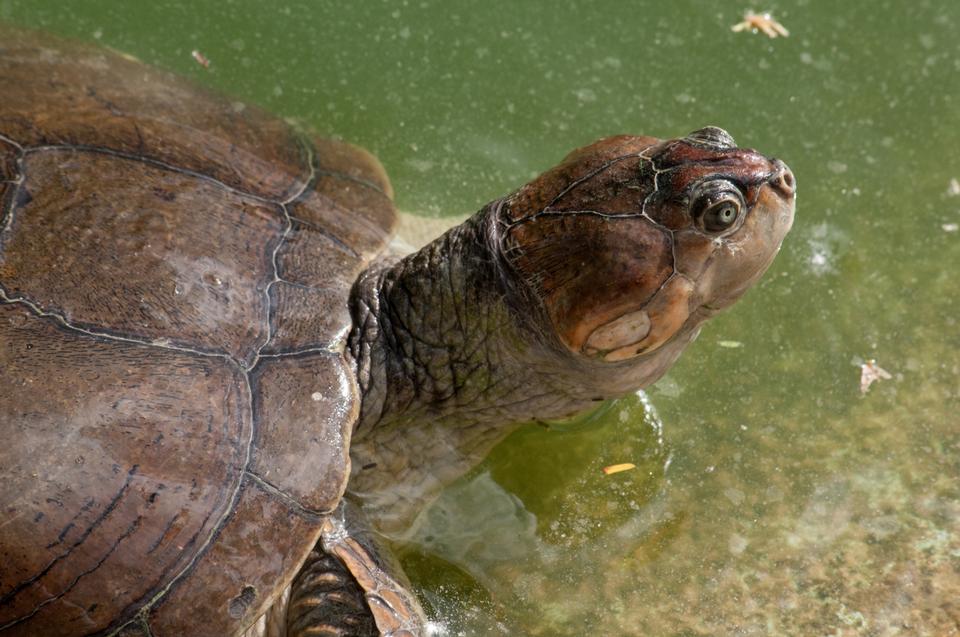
[215, 531]
[589, 175]
[4, 138]
[123, 536]
[673, 236]
[8, 204]
[304, 352]
[311, 177]
[274, 262]
[307, 184]
[144, 624]
[546, 212]
[304, 138]
[275, 491]
[188, 545]
[156, 163]
[356, 180]
[5, 299]
[111, 506]
[326, 233]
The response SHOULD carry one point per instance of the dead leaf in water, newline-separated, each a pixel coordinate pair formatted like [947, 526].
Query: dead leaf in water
[200, 58]
[870, 373]
[617, 468]
[761, 22]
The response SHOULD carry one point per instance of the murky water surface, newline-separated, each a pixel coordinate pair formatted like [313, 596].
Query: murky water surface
[770, 496]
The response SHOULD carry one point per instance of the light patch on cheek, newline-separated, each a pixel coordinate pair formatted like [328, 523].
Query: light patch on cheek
[629, 328]
[644, 330]
[730, 248]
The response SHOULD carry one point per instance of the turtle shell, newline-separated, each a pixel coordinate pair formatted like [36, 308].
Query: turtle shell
[176, 405]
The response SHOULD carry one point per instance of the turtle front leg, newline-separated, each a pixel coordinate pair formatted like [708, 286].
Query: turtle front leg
[325, 600]
[349, 586]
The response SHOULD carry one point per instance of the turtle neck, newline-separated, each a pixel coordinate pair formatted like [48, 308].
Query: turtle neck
[442, 334]
[451, 357]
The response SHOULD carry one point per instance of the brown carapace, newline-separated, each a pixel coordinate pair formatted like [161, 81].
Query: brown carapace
[177, 397]
[176, 405]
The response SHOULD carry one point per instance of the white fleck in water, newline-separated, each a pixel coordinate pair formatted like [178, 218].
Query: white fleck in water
[437, 628]
[420, 165]
[730, 344]
[953, 188]
[668, 387]
[734, 495]
[585, 95]
[824, 242]
[836, 167]
[950, 227]
[316, 396]
[737, 544]
[851, 617]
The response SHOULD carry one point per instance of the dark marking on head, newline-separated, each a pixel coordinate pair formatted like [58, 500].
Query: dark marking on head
[711, 137]
[239, 604]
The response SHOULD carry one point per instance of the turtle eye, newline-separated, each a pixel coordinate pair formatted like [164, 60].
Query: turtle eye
[717, 206]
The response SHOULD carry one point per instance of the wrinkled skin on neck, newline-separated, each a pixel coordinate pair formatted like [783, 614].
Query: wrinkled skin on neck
[584, 285]
[449, 364]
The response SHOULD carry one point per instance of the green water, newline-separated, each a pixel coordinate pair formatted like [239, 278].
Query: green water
[770, 497]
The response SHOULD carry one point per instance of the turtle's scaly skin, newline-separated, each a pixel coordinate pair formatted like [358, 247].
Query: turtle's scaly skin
[176, 411]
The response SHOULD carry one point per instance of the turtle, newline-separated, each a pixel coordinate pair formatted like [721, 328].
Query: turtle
[220, 375]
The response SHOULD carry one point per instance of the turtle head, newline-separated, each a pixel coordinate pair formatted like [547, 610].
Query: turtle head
[631, 241]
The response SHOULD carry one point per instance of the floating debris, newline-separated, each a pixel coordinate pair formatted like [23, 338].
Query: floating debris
[730, 344]
[953, 188]
[950, 227]
[200, 58]
[870, 373]
[761, 22]
[617, 468]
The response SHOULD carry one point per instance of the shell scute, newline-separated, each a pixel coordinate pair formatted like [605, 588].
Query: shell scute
[157, 294]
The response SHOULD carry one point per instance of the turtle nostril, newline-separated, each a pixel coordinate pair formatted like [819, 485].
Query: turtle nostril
[784, 179]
